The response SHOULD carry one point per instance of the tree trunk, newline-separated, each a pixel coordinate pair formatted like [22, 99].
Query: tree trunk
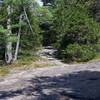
[8, 53]
[28, 20]
[18, 40]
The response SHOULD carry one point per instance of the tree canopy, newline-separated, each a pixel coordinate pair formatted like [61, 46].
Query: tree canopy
[71, 26]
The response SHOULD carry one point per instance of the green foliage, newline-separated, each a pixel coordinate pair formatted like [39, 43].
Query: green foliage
[2, 30]
[44, 14]
[80, 53]
[73, 30]
[74, 25]
[27, 60]
[12, 38]
[30, 41]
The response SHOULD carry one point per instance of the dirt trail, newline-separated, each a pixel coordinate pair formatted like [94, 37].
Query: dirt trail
[60, 82]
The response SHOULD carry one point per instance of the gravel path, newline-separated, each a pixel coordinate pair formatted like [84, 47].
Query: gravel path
[62, 82]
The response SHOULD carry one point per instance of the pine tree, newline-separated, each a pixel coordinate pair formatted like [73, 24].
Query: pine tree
[75, 28]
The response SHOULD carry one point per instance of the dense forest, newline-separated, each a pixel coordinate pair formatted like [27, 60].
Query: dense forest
[70, 26]
[49, 49]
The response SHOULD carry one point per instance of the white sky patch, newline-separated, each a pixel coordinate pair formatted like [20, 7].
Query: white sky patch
[39, 2]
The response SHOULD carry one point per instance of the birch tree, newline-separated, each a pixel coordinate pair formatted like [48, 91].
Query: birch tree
[8, 53]
[18, 40]
[19, 18]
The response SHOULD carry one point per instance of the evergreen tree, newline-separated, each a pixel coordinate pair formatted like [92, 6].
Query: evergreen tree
[75, 30]
[21, 24]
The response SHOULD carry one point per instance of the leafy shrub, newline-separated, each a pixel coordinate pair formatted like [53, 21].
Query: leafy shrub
[78, 32]
[80, 53]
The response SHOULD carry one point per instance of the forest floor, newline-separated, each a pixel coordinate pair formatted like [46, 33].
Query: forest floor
[59, 81]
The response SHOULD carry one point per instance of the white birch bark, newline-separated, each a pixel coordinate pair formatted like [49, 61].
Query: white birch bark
[18, 40]
[28, 20]
[8, 52]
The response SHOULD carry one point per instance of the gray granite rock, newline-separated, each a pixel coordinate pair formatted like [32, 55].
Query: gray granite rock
[60, 82]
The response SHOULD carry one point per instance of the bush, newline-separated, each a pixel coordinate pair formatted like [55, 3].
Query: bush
[78, 33]
[79, 53]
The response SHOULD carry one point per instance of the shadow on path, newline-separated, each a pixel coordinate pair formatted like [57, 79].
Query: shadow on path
[83, 85]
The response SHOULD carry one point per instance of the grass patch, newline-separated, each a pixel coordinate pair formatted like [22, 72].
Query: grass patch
[4, 71]
[24, 61]
[98, 56]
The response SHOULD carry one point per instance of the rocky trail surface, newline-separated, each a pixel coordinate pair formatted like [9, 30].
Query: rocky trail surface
[60, 82]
